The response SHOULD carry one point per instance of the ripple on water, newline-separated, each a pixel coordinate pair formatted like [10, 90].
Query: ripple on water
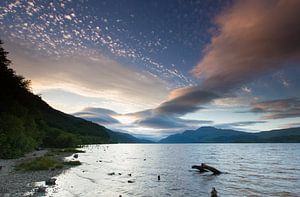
[253, 170]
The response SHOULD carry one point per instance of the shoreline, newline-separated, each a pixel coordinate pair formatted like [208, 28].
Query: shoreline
[23, 183]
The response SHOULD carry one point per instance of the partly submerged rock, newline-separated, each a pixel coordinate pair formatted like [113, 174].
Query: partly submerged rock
[41, 189]
[50, 181]
[213, 192]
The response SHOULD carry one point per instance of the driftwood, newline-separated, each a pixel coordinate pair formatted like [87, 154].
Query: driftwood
[205, 168]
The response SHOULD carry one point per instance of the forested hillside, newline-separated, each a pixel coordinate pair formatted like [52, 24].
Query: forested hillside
[27, 122]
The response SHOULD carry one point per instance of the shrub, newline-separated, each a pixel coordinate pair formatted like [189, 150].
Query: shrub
[72, 163]
[41, 163]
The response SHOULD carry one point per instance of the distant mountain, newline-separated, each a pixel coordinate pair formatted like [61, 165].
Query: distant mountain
[126, 138]
[290, 135]
[214, 135]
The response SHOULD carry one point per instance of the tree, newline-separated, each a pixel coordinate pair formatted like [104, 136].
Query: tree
[18, 128]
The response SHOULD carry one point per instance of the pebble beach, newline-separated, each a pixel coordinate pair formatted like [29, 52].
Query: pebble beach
[23, 183]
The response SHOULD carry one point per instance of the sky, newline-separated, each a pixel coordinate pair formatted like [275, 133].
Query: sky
[154, 68]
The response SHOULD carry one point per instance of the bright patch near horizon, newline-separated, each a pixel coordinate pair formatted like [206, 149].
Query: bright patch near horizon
[161, 66]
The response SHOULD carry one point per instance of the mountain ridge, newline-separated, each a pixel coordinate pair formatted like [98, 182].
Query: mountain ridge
[28, 122]
[216, 135]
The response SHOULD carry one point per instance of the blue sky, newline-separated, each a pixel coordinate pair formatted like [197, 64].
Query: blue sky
[152, 68]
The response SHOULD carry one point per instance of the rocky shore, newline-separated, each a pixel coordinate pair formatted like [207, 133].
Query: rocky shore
[22, 183]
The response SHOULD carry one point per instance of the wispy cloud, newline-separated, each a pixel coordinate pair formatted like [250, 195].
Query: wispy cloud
[277, 109]
[290, 125]
[169, 122]
[234, 101]
[139, 122]
[239, 125]
[252, 38]
[98, 77]
[98, 115]
[185, 100]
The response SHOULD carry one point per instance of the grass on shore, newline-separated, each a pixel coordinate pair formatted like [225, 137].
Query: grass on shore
[50, 161]
[40, 163]
[54, 152]
[72, 163]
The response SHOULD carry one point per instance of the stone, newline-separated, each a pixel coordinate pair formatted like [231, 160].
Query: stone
[214, 192]
[50, 181]
[41, 189]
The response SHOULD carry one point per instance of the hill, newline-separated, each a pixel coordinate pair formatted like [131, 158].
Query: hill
[27, 122]
[214, 135]
[126, 138]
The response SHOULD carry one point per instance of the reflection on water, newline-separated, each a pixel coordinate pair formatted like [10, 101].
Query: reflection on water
[250, 170]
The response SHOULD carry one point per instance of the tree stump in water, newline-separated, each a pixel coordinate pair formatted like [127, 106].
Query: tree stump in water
[205, 168]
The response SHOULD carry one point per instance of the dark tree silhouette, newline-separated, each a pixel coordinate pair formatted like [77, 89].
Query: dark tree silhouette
[26, 121]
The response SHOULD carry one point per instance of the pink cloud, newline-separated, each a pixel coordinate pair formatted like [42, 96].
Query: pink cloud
[253, 37]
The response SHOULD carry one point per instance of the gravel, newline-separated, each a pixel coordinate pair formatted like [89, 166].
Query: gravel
[19, 183]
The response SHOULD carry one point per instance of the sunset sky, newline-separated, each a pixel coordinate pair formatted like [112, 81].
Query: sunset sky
[154, 68]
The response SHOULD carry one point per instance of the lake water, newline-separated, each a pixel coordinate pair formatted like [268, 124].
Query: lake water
[249, 170]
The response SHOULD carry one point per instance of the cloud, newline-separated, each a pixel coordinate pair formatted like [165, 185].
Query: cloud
[98, 115]
[277, 109]
[290, 125]
[244, 123]
[140, 122]
[252, 38]
[185, 100]
[167, 115]
[239, 125]
[93, 76]
[169, 122]
[98, 111]
[229, 102]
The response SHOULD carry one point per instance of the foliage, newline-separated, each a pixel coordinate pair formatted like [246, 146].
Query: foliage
[41, 163]
[27, 122]
[72, 163]
[56, 151]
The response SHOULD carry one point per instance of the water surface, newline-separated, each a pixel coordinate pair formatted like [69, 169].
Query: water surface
[249, 170]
